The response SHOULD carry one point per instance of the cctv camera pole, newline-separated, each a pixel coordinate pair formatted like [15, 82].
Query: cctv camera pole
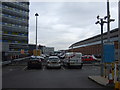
[101, 22]
[102, 66]
[108, 21]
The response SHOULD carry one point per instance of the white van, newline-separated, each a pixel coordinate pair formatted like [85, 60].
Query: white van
[73, 59]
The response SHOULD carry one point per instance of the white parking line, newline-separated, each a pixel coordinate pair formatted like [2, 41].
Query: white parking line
[25, 68]
[63, 68]
[43, 69]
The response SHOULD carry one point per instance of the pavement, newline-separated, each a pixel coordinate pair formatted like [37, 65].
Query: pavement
[101, 80]
[15, 60]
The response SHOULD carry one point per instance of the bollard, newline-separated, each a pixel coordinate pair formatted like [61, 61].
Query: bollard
[115, 73]
[105, 71]
[108, 69]
[113, 70]
[110, 76]
[117, 83]
[118, 78]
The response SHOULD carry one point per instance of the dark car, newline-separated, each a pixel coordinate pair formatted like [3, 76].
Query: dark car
[34, 62]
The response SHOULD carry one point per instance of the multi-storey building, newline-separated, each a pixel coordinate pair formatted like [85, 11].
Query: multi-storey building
[92, 46]
[15, 22]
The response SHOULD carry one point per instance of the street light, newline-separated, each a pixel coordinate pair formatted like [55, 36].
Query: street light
[101, 22]
[36, 32]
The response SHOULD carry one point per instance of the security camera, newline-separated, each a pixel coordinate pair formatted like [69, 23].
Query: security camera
[105, 17]
[97, 22]
[112, 20]
[98, 17]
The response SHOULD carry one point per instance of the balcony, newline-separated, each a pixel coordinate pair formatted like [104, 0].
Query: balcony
[21, 6]
[14, 21]
[14, 28]
[14, 37]
[18, 52]
[15, 12]
[19, 46]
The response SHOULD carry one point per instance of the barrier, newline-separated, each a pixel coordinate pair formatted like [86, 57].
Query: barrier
[112, 72]
[117, 82]
[110, 77]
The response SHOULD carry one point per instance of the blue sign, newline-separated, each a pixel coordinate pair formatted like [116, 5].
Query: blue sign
[109, 53]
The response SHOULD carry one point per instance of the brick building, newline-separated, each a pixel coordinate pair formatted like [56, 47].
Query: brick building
[92, 46]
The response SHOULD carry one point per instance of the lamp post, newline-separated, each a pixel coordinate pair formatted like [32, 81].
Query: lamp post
[36, 32]
[108, 18]
[101, 22]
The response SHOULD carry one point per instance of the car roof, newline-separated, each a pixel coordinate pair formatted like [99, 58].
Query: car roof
[87, 56]
[53, 57]
[71, 53]
[37, 57]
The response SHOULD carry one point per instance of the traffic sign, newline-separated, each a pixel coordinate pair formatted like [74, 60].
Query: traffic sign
[108, 53]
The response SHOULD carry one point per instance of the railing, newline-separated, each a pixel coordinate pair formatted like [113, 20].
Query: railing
[12, 28]
[15, 12]
[17, 5]
[15, 21]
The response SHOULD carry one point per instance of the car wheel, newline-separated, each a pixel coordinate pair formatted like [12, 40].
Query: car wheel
[47, 67]
[80, 67]
[60, 67]
[28, 67]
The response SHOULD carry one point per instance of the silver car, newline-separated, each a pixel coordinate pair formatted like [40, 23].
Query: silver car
[53, 62]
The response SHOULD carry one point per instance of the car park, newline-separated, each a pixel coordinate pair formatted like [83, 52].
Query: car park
[53, 62]
[34, 62]
[41, 57]
[73, 59]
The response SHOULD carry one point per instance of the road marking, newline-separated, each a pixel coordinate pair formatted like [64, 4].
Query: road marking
[43, 69]
[25, 68]
[63, 68]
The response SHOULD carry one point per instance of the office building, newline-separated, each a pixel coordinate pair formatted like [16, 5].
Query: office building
[14, 31]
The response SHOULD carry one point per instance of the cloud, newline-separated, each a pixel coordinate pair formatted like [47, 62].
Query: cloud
[61, 24]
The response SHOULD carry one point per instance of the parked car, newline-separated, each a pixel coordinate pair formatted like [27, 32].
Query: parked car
[41, 57]
[73, 59]
[34, 62]
[53, 62]
[88, 59]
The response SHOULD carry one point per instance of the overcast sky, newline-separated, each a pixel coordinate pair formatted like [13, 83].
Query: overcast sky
[61, 24]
